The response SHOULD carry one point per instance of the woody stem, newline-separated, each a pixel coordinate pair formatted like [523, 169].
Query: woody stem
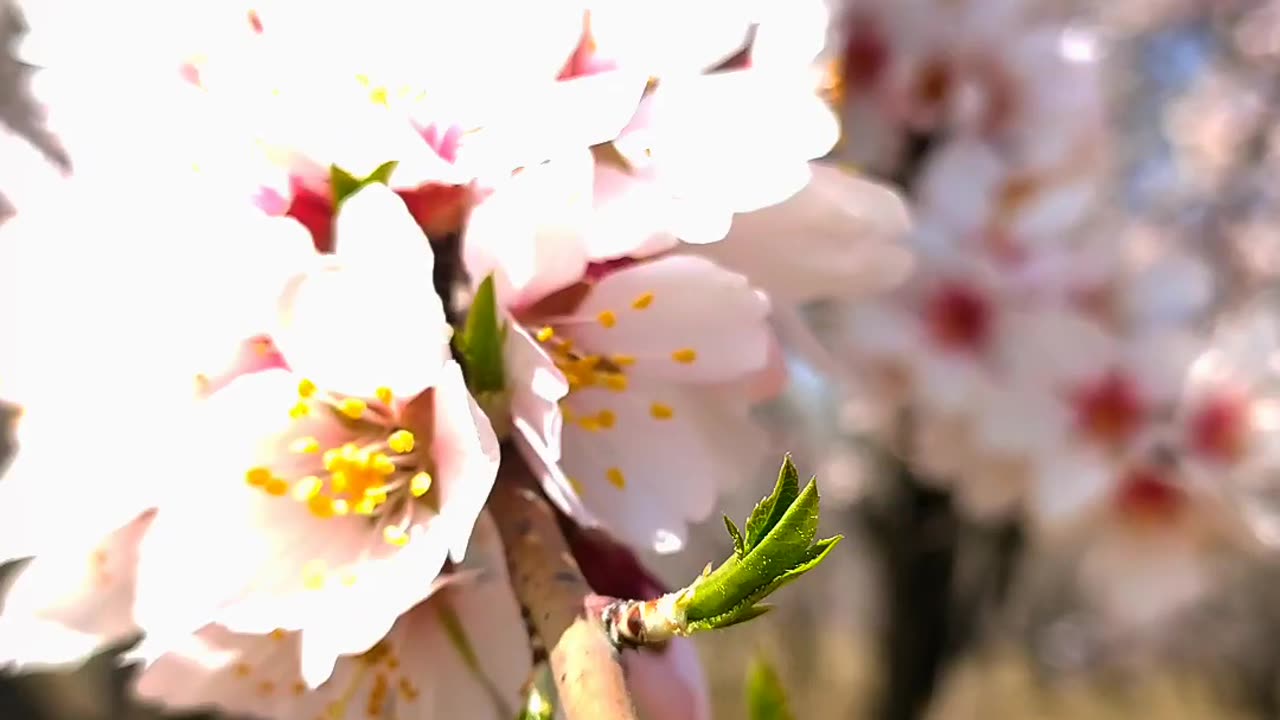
[587, 670]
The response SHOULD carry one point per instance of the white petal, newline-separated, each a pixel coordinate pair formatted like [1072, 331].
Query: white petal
[833, 238]
[70, 602]
[466, 455]
[529, 232]
[694, 305]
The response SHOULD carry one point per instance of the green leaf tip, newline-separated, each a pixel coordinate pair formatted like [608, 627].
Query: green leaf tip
[779, 545]
[480, 342]
[343, 184]
[739, 549]
[766, 697]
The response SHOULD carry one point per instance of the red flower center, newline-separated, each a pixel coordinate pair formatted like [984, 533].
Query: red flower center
[1219, 426]
[866, 55]
[959, 318]
[1109, 410]
[1145, 495]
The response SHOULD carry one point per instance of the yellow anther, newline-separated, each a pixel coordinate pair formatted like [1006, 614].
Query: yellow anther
[661, 412]
[395, 535]
[313, 575]
[305, 445]
[685, 356]
[623, 360]
[401, 441]
[606, 418]
[299, 411]
[340, 507]
[348, 579]
[352, 407]
[379, 96]
[277, 634]
[616, 478]
[306, 388]
[607, 318]
[420, 484]
[384, 395]
[382, 464]
[307, 488]
[367, 505]
[642, 302]
[277, 486]
[340, 480]
[590, 424]
[545, 333]
[576, 485]
[332, 459]
[616, 383]
[258, 477]
[320, 506]
[242, 669]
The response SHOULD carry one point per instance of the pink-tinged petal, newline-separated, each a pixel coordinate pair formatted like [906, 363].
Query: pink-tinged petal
[537, 386]
[695, 37]
[632, 218]
[274, 563]
[839, 232]
[668, 683]
[82, 595]
[414, 671]
[466, 454]
[683, 319]
[528, 232]
[608, 454]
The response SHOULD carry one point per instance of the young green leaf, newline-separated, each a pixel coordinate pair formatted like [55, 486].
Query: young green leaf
[769, 510]
[480, 342]
[766, 698]
[343, 184]
[739, 549]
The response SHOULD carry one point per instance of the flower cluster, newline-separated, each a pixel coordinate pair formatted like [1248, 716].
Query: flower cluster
[1049, 360]
[277, 218]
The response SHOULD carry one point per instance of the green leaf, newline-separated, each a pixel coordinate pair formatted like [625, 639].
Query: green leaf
[736, 616]
[766, 698]
[783, 551]
[343, 184]
[769, 511]
[480, 342]
[539, 697]
[738, 548]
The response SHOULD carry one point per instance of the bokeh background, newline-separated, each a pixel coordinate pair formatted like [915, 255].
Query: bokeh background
[923, 612]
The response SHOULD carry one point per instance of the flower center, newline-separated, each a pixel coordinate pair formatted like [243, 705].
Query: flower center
[1110, 409]
[1219, 426]
[959, 317]
[375, 469]
[1145, 495]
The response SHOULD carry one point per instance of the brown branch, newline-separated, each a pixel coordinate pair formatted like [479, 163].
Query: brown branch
[587, 670]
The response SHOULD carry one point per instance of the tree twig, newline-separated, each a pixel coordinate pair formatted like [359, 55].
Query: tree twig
[588, 673]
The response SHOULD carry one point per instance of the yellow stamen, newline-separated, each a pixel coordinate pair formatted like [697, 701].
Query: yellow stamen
[384, 395]
[401, 441]
[607, 318]
[307, 488]
[306, 388]
[320, 506]
[420, 484]
[340, 507]
[395, 536]
[590, 424]
[305, 446]
[685, 356]
[661, 412]
[352, 407]
[277, 487]
[299, 411]
[367, 505]
[616, 478]
[606, 418]
[258, 477]
[545, 333]
[624, 360]
[576, 485]
[382, 464]
[616, 383]
[643, 301]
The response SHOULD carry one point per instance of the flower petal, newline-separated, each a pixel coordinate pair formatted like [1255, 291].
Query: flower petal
[466, 454]
[683, 319]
